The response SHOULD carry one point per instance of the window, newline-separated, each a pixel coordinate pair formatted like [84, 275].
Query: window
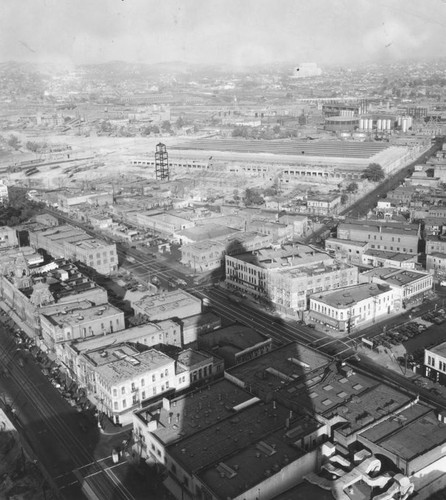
[143, 381]
[123, 390]
[115, 392]
[115, 405]
[124, 403]
[154, 390]
[153, 378]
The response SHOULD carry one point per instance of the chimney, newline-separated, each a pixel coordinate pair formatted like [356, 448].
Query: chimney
[170, 417]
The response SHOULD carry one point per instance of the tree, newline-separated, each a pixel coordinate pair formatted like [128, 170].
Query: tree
[352, 187]
[373, 173]
[180, 122]
[344, 199]
[32, 146]
[252, 197]
[236, 195]
[166, 126]
[14, 142]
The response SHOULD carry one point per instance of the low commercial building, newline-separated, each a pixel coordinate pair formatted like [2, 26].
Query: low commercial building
[383, 258]
[347, 250]
[286, 278]
[414, 439]
[223, 461]
[192, 327]
[353, 306]
[67, 201]
[174, 304]
[204, 255]
[395, 237]
[82, 369]
[235, 344]
[202, 233]
[75, 244]
[162, 423]
[323, 204]
[71, 323]
[413, 286]
[435, 363]
[162, 223]
[8, 237]
[436, 263]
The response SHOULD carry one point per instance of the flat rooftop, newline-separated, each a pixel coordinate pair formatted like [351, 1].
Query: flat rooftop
[352, 243]
[127, 366]
[191, 358]
[354, 397]
[384, 254]
[194, 411]
[236, 432]
[340, 149]
[349, 296]
[207, 232]
[439, 349]
[248, 466]
[152, 305]
[376, 227]
[147, 333]
[233, 338]
[411, 433]
[282, 365]
[395, 275]
[76, 316]
[288, 255]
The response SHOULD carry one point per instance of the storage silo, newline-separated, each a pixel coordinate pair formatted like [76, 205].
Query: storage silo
[404, 125]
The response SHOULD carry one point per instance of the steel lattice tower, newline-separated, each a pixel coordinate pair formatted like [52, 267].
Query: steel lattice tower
[161, 163]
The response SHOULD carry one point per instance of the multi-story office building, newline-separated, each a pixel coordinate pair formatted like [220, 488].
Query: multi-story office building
[395, 237]
[75, 244]
[285, 278]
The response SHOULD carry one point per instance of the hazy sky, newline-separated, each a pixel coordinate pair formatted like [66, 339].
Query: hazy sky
[235, 32]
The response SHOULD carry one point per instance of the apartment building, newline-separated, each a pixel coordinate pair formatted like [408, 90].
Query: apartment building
[75, 244]
[353, 306]
[125, 377]
[286, 278]
[403, 238]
